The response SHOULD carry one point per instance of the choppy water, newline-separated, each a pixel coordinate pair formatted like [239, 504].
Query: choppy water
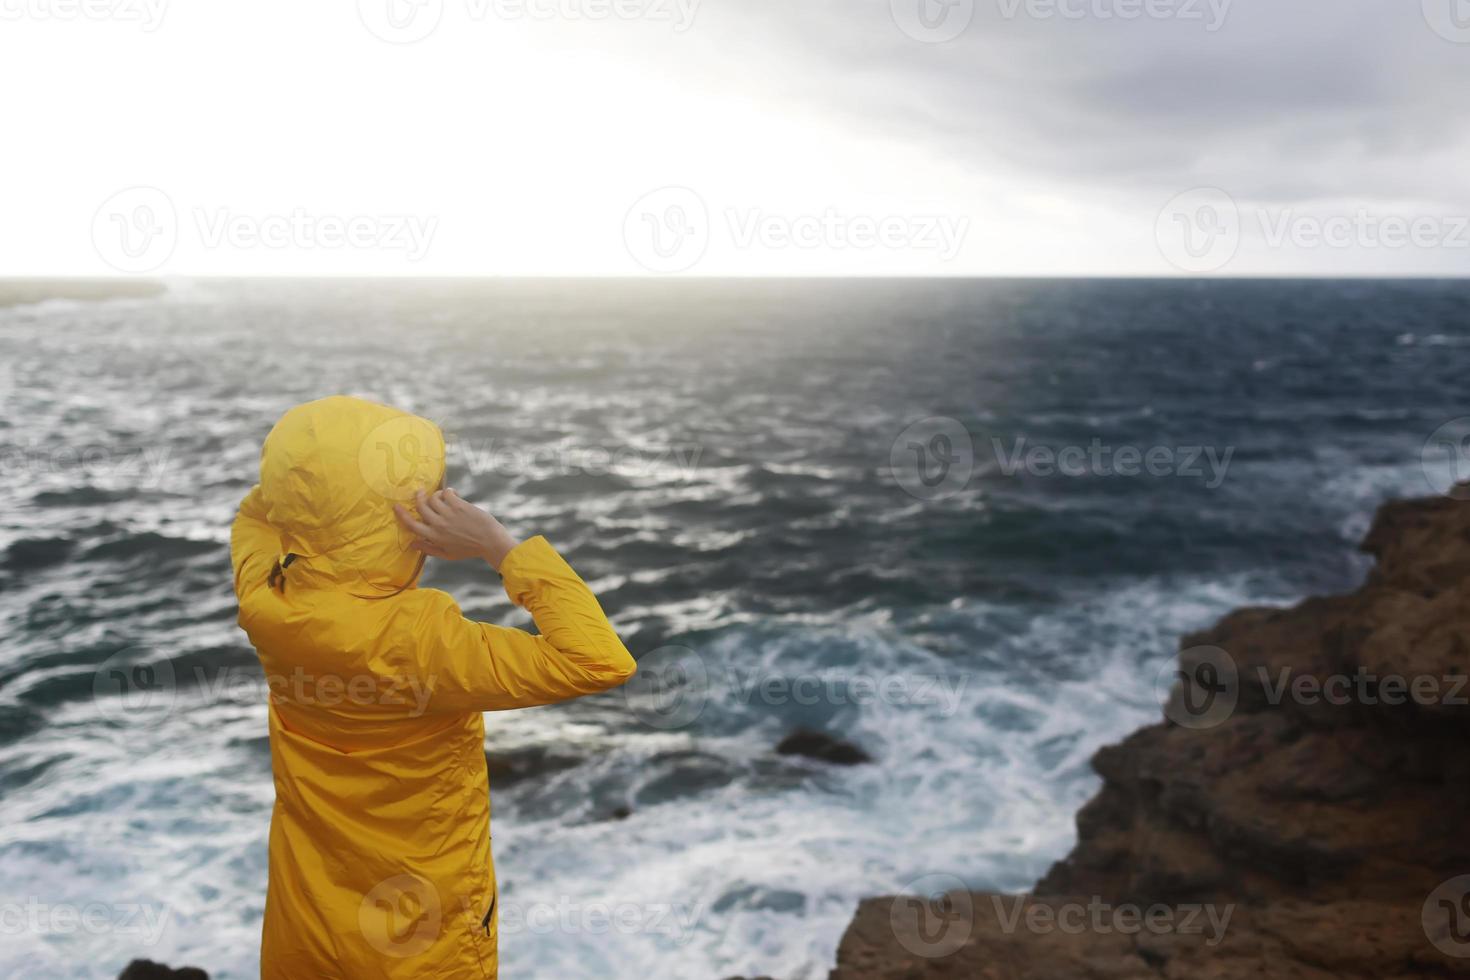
[750, 515]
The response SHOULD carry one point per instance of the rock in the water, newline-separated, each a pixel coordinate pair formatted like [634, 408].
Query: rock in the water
[507, 768]
[816, 745]
[149, 970]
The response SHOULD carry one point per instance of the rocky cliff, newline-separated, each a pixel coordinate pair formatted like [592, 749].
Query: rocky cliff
[1299, 813]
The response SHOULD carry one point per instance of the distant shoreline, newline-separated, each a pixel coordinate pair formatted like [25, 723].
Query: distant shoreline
[16, 292]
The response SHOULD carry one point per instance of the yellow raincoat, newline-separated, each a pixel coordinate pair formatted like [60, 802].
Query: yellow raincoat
[380, 861]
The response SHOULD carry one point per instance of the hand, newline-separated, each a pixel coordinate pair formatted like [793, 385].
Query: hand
[451, 527]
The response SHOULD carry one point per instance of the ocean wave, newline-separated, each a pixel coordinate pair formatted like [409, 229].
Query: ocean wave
[1023, 619]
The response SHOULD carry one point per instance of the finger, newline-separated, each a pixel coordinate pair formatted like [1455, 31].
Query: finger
[454, 499]
[408, 521]
[465, 505]
[423, 506]
[434, 505]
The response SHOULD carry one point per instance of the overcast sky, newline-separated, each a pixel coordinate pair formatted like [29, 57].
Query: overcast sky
[712, 137]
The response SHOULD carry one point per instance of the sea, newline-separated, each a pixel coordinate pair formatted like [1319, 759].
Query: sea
[960, 525]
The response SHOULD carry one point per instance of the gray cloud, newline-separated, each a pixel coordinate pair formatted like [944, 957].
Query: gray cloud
[1286, 101]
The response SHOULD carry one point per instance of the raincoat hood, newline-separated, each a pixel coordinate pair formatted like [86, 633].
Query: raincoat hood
[330, 472]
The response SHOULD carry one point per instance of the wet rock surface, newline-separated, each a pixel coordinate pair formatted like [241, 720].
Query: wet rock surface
[1309, 824]
[822, 747]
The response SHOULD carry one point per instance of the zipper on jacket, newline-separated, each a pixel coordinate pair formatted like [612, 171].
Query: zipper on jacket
[485, 922]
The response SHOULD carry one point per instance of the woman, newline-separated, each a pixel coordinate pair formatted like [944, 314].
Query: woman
[380, 862]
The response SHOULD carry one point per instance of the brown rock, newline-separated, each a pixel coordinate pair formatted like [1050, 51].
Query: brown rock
[1322, 811]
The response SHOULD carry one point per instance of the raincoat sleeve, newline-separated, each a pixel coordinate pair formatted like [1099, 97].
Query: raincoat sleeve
[252, 540]
[486, 667]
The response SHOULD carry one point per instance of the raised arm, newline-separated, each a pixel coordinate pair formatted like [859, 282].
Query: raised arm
[489, 667]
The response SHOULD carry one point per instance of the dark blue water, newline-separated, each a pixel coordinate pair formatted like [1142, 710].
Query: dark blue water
[717, 459]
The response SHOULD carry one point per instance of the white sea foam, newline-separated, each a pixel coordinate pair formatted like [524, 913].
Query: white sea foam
[733, 859]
